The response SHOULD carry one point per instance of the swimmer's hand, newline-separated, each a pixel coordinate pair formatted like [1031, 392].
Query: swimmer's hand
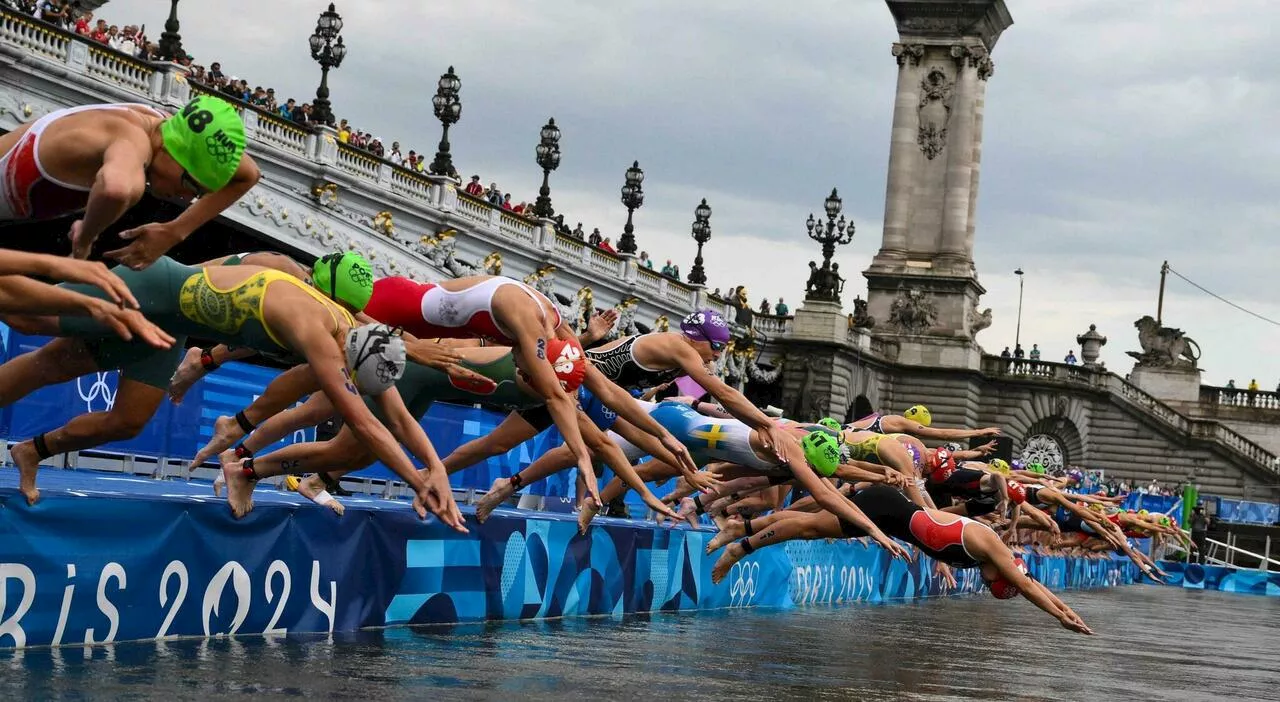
[680, 451]
[987, 448]
[587, 472]
[771, 437]
[702, 481]
[71, 270]
[150, 242]
[943, 571]
[987, 431]
[894, 548]
[661, 509]
[445, 359]
[1074, 623]
[896, 479]
[436, 496]
[128, 324]
[599, 327]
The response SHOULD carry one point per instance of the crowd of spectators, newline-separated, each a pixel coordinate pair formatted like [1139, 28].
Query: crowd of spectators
[132, 40]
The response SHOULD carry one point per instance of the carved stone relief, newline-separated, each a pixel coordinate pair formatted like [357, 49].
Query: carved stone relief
[936, 91]
[908, 54]
[913, 311]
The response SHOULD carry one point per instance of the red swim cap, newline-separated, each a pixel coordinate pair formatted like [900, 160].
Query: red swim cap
[1017, 492]
[1002, 589]
[943, 464]
[568, 361]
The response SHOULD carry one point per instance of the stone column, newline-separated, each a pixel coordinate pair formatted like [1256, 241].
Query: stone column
[959, 196]
[902, 155]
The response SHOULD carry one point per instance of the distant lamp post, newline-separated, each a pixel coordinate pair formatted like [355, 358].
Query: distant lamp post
[548, 157]
[825, 283]
[328, 54]
[170, 40]
[448, 109]
[1017, 334]
[701, 234]
[632, 199]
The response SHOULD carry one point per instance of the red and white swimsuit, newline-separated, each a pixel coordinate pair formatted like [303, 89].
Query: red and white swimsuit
[27, 191]
[428, 311]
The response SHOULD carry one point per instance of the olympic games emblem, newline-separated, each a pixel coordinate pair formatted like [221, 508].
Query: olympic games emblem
[742, 589]
[99, 391]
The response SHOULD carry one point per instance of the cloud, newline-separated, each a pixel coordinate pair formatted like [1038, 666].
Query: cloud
[1117, 135]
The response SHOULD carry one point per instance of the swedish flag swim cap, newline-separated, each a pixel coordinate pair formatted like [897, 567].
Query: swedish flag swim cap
[207, 139]
[919, 413]
[822, 451]
[344, 277]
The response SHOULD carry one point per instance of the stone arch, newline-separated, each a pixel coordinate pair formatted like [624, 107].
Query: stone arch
[1062, 416]
[859, 408]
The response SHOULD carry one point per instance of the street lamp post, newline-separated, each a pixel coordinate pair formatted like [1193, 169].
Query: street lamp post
[632, 199]
[448, 109]
[1017, 335]
[701, 234]
[548, 157]
[170, 40]
[329, 54]
[825, 283]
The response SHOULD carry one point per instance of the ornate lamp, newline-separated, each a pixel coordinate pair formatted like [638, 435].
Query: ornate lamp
[825, 283]
[632, 199]
[448, 109]
[548, 157]
[701, 234]
[328, 50]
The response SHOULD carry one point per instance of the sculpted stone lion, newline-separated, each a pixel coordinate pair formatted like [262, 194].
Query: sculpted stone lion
[1164, 346]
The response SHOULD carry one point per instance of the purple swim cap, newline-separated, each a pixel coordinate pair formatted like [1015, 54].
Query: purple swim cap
[706, 325]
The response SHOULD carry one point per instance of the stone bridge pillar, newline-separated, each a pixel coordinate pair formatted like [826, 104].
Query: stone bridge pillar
[922, 286]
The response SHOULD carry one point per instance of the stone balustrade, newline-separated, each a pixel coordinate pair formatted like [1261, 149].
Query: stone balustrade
[1099, 378]
[43, 68]
[1236, 397]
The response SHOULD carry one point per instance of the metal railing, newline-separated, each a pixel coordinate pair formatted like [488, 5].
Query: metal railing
[1265, 561]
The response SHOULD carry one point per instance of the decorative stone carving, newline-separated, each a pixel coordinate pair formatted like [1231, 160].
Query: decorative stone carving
[860, 319]
[824, 283]
[980, 322]
[441, 250]
[325, 194]
[384, 223]
[936, 91]
[1164, 347]
[1091, 343]
[908, 53]
[1046, 450]
[626, 324]
[585, 301]
[492, 264]
[662, 324]
[975, 56]
[912, 311]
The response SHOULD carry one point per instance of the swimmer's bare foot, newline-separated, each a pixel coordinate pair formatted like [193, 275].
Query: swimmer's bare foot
[28, 462]
[226, 432]
[189, 371]
[732, 531]
[689, 512]
[219, 483]
[313, 485]
[590, 508]
[498, 493]
[731, 555]
[239, 488]
[681, 490]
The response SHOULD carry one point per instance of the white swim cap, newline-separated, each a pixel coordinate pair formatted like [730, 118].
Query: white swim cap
[376, 357]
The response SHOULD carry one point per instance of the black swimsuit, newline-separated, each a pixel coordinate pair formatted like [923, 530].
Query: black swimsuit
[902, 519]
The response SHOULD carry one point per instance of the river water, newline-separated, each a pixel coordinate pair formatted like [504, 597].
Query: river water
[948, 649]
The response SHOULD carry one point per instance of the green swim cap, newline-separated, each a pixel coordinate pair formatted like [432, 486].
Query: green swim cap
[345, 277]
[207, 139]
[830, 423]
[822, 451]
[1037, 468]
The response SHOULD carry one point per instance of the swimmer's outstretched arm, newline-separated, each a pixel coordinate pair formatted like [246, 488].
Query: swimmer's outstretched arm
[621, 401]
[984, 544]
[834, 502]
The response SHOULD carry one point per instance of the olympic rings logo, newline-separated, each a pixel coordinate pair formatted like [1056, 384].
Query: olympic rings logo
[742, 589]
[100, 389]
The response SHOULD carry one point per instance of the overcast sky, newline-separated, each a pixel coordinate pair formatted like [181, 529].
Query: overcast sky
[1118, 135]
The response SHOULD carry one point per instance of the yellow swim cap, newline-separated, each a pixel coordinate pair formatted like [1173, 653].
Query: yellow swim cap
[1000, 466]
[291, 482]
[919, 413]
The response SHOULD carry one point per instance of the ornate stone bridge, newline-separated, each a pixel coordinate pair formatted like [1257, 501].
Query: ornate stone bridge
[319, 195]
